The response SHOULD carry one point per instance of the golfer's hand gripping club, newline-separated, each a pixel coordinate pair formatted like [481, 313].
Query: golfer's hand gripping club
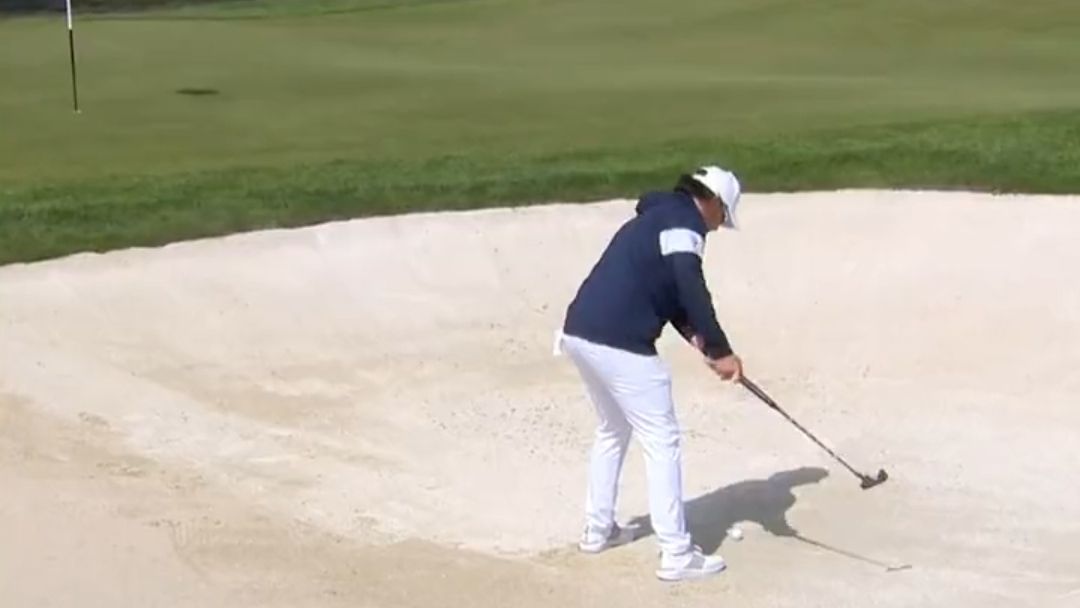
[728, 368]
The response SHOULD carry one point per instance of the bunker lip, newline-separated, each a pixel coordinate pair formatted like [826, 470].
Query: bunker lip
[387, 385]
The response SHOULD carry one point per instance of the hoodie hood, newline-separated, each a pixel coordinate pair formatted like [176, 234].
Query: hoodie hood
[653, 200]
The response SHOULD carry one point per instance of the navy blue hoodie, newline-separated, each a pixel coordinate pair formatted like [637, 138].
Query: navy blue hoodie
[650, 275]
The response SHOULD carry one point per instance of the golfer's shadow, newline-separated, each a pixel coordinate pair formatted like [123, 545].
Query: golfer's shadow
[764, 501]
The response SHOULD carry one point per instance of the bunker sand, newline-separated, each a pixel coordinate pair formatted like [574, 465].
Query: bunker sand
[369, 413]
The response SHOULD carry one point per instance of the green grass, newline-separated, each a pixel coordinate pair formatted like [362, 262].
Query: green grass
[335, 109]
[161, 10]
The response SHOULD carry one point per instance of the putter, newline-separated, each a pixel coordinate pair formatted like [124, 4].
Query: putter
[866, 481]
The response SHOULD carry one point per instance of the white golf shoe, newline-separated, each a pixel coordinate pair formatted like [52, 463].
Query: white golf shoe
[593, 542]
[692, 565]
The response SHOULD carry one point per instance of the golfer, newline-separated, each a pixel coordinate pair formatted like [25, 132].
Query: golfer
[649, 275]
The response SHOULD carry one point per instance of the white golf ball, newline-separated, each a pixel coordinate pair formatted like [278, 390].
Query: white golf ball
[735, 533]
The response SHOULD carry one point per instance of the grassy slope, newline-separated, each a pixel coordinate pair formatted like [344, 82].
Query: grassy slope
[450, 104]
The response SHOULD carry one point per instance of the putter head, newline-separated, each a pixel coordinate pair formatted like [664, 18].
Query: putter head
[869, 482]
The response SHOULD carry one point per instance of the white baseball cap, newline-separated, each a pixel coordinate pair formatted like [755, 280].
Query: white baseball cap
[723, 184]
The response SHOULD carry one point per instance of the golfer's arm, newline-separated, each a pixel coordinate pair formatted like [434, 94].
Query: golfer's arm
[682, 325]
[697, 302]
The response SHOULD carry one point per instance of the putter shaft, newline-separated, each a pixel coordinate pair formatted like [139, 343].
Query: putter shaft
[866, 480]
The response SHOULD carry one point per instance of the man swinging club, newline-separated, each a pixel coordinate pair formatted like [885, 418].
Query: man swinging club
[649, 275]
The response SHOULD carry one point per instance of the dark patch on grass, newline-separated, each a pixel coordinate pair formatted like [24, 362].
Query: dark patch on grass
[197, 91]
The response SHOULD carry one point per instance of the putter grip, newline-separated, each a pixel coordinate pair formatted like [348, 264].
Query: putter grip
[760, 394]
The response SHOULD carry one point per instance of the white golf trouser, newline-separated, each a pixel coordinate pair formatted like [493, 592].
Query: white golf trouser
[632, 394]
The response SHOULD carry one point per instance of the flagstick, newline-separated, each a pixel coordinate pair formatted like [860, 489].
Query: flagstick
[71, 50]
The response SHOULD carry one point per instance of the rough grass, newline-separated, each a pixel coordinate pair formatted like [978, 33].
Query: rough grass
[355, 111]
[1038, 152]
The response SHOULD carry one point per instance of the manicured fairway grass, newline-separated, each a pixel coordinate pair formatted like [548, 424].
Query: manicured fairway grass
[336, 109]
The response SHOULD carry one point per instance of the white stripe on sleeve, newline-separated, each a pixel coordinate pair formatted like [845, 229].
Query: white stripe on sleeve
[681, 240]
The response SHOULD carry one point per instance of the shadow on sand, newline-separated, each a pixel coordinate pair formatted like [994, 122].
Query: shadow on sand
[764, 501]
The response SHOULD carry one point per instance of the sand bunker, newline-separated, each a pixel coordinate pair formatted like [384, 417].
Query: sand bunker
[331, 415]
